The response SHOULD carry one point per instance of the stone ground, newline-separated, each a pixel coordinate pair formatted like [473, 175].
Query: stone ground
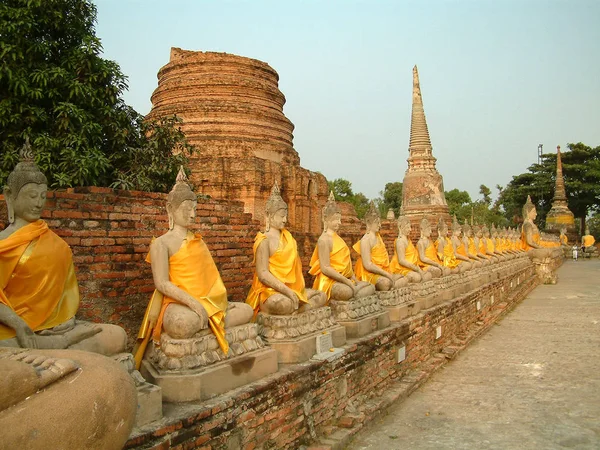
[531, 382]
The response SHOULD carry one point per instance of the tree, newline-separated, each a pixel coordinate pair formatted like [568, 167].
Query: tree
[391, 197]
[581, 172]
[459, 204]
[57, 90]
[342, 191]
[486, 193]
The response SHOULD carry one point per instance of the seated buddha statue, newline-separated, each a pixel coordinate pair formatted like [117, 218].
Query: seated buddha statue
[406, 258]
[587, 242]
[278, 284]
[373, 260]
[39, 295]
[189, 294]
[460, 251]
[445, 250]
[469, 243]
[479, 243]
[486, 244]
[530, 234]
[564, 240]
[330, 263]
[428, 257]
[495, 243]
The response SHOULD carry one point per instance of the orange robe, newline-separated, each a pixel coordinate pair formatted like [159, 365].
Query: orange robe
[460, 249]
[284, 264]
[588, 240]
[472, 247]
[490, 247]
[431, 253]
[192, 269]
[498, 246]
[339, 259]
[379, 257]
[411, 255]
[448, 258]
[37, 278]
[483, 249]
[564, 240]
[536, 238]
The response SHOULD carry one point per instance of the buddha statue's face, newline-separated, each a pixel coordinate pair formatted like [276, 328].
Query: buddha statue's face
[532, 214]
[29, 202]
[278, 220]
[185, 214]
[374, 225]
[468, 232]
[479, 233]
[456, 232]
[333, 222]
[405, 228]
[426, 231]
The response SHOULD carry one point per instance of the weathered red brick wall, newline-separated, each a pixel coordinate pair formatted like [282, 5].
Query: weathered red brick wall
[328, 401]
[109, 232]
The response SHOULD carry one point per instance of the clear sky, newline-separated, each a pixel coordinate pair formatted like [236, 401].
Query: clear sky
[498, 77]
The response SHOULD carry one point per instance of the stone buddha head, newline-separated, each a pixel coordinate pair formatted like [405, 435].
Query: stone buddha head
[332, 215]
[477, 231]
[276, 210]
[372, 219]
[26, 188]
[425, 228]
[529, 212]
[404, 226]
[181, 203]
[467, 231]
[442, 227]
[456, 228]
[494, 232]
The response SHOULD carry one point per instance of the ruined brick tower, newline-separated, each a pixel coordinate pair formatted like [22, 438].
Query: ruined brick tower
[423, 186]
[560, 215]
[232, 111]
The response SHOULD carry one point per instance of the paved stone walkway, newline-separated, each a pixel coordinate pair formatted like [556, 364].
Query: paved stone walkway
[531, 382]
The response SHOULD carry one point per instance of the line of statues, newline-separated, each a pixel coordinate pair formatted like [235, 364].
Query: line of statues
[39, 296]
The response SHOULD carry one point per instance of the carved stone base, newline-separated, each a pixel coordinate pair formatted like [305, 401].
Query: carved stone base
[213, 380]
[294, 337]
[203, 349]
[149, 400]
[399, 303]
[427, 294]
[360, 316]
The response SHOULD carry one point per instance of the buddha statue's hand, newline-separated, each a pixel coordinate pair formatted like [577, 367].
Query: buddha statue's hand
[201, 312]
[26, 337]
[295, 300]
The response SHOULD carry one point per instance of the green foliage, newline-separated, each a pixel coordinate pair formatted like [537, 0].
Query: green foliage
[391, 197]
[486, 193]
[479, 211]
[581, 172]
[342, 191]
[593, 223]
[56, 89]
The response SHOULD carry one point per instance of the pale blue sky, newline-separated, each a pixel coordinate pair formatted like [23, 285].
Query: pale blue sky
[497, 77]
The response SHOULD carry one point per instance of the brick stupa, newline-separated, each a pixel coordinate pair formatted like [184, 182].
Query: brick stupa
[232, 111]
[560, 215]
[423, 186]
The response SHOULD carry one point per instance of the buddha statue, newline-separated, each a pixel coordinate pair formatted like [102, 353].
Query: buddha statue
[530, 234]
[373, 260]
[330, 263]
[487, 244]
[39, 295]
[189, 294]
[479, 243]
[470, 248]
[564, 240]
[496, 242]
[406, 258]
[445, 250]
[460, 251]
[587, 242]
[428, 258]
[278, 284]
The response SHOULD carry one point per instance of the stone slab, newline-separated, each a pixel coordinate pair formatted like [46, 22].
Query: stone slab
[400, 312]
[213, 380]
[331, 355]
[149, 404]
[294, 351]
[366, 325]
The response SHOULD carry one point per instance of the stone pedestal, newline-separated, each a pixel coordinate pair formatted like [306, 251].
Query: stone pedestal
[399, 303]
[149, 407]
[295, 337]
[360, 316]
[197, 369]
[427, 294]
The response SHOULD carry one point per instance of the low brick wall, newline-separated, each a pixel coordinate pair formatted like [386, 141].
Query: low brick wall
[327, 402]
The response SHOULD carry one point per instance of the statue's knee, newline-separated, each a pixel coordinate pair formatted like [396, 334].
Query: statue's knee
[341, 292]
[238, 314]
[383, 284]
[278, 304]
[316, 298]
[180, 322]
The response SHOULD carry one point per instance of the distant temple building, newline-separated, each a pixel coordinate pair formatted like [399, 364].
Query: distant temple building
[232, 111]
[423, 186]
[560, 215]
